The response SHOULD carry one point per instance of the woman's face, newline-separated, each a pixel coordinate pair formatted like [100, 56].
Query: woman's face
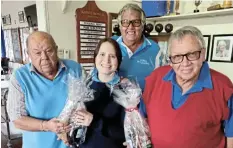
[131, 33]
[106, 60]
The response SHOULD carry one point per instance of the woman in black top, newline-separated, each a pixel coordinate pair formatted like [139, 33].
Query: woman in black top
[104, 117]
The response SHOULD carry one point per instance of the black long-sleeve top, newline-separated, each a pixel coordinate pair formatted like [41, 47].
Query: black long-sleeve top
[106, 129]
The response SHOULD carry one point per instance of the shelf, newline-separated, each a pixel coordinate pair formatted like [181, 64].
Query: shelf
[221, 12]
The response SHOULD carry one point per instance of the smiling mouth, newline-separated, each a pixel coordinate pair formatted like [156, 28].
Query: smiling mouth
[131, 32]
[105, 66]
[186, 71]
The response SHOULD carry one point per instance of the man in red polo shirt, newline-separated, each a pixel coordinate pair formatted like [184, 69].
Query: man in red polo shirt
[188, 104]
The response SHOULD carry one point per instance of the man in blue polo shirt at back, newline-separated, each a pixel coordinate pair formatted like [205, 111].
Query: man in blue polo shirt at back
[138, 52]
[38, 92]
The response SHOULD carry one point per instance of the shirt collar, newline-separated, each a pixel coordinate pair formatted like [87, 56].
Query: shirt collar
[60, 66]
[145, 43]
[94, 75]
[204, 78]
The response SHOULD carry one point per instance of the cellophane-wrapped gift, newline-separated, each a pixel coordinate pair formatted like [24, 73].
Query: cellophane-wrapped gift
[78, 93]
[128, 94]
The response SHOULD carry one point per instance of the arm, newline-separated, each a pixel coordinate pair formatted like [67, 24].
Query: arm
[32, 124]
[17, 112]
[229, 125]
[85, 118]
[15, 101]
[29, 124]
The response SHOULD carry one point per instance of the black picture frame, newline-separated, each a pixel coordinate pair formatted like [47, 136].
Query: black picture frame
[21, 16]
[8, 19]
[222, 48]
[207, 39]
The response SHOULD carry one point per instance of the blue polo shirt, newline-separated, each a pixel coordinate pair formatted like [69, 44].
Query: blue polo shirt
[204, 81]
[139, 64]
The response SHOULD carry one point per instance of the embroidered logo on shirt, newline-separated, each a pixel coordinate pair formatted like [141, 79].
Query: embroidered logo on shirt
[143, 61]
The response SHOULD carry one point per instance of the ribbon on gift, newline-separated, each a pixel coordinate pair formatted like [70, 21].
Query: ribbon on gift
[131, 109]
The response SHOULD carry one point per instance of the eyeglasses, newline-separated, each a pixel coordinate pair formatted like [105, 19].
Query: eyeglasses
[190, 56]
[135, 23]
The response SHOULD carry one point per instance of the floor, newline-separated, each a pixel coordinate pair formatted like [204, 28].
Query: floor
[17, 143]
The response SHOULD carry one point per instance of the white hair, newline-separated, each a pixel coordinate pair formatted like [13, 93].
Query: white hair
[134, 7]
[187, 30]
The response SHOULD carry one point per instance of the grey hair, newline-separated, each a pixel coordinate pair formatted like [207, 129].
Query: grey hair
[187, 30]
[134, 7]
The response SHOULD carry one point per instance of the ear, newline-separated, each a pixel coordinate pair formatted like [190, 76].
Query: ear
[203, 54]
[120, 28]
[28, 52]
[143, 26]
[56, 48]
[170, 63]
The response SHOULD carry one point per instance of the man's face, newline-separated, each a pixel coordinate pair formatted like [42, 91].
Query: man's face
[43, 55]
[187, 70]
[131, 33]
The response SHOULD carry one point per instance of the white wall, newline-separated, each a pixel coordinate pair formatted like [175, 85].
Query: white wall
[12, 8]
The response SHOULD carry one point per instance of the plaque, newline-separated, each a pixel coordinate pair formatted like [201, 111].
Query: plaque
[91, 26]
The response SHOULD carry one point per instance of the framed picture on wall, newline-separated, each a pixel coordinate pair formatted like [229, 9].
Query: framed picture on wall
[222, 48]
[8, 19]
[21, 16]
[207, 43]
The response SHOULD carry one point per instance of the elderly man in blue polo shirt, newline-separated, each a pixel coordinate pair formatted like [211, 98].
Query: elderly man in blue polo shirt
[138, 52]
[38, 92]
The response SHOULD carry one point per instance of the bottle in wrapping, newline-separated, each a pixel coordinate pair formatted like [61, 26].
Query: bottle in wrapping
[78, 136]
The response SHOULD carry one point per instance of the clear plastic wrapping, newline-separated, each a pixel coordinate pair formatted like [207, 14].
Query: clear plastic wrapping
[128, 94]
[78, 93]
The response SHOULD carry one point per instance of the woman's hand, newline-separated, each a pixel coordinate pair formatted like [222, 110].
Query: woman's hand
[82, 117]
[126, 144]
[55, 126]
[124, 80]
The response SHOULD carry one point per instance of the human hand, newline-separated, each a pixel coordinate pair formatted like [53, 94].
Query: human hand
[126, 144]
[54, 125]
[82, 117]
[124, 80]
[64, 138]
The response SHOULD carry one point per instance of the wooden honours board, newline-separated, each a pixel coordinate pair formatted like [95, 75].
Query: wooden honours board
[91, 26]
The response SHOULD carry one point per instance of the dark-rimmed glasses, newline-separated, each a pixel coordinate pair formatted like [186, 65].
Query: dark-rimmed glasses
[189, 56]
[135, 23]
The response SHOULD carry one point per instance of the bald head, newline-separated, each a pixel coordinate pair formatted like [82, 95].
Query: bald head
[39, 36]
